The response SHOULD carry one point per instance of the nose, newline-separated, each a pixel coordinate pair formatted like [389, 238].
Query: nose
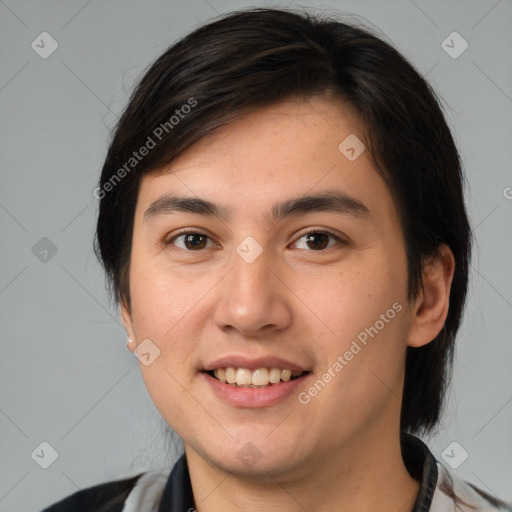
[253, 299]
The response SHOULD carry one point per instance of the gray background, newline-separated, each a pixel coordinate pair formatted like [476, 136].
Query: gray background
[66, 376]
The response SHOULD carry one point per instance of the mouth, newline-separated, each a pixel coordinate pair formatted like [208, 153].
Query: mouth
[258, 378]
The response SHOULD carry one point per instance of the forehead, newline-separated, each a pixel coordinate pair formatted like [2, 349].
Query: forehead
[286, 150]
[300, 132]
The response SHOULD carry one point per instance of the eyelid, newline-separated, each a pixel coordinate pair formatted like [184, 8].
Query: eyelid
[341, 240]
[186, 231]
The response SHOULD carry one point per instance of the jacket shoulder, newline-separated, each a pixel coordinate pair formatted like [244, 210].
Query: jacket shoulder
[106, 497]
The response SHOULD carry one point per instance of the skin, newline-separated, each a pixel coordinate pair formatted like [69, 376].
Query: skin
[341, 450]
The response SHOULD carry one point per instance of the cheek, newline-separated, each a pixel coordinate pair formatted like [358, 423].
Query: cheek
[162, 299]
[364, 309]
[163, 311]
[353, 298]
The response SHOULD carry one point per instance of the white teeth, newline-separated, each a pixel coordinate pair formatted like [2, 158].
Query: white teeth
[260, 377]
[230, 375]
[275, 375]
[243, 377]
[286, 375]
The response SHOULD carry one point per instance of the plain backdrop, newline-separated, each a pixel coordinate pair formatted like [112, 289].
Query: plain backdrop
[67, 378]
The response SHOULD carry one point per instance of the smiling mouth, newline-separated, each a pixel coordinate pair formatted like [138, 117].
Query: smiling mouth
[259, 378]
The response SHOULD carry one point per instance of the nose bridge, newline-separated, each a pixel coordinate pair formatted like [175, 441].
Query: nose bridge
[250, 269]
[250, 280]
[252, 297]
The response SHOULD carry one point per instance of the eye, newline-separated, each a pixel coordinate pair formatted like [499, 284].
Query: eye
[192, 240]
[319, 240]
[195, 240]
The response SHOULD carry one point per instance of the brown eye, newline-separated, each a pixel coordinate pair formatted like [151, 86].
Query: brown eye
[192, 240]
[319, 240]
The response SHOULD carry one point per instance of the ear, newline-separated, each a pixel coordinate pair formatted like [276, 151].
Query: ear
[431, 304]
[128, 325]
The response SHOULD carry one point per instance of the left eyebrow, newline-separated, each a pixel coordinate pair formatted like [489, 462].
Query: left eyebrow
[328, 201]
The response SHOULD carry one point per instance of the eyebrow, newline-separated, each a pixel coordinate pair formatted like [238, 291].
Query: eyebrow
[328, 201]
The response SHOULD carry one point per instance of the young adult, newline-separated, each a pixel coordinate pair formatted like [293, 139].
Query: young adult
[282, 222]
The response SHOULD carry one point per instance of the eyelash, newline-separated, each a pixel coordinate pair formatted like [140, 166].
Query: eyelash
[339, 240]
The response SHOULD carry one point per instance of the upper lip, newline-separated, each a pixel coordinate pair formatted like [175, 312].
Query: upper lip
[253, 363]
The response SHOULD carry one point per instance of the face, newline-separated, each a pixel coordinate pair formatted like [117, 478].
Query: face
[311, 294]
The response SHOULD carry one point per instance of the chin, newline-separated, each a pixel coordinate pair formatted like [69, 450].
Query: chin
[255, 456]
[257, 465]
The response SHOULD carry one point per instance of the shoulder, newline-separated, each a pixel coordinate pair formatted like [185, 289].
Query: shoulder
[455, 494]
[106, 497]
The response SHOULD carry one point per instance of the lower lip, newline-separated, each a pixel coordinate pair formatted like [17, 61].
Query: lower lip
[254, 397]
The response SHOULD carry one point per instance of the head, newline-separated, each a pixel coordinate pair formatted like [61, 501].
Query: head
[247, 112]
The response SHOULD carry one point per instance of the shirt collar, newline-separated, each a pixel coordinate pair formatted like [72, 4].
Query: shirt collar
[177, 495]
[419, 461]
[422, 466]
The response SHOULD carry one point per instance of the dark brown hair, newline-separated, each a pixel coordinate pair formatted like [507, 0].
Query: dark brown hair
[250, 59]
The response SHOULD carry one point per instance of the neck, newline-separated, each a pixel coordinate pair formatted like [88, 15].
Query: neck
[366, 474]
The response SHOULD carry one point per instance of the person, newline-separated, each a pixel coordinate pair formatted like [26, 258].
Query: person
[282, 223]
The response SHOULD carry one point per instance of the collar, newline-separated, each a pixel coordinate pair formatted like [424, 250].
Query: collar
[419, 461]
[422, 466]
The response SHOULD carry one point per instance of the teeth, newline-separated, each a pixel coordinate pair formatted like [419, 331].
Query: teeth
[230, 375]
[261, 377]
[243, 377]
[275, 375]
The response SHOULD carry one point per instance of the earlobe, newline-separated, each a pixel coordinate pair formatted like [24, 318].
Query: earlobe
[432, 303]
[127, 322]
